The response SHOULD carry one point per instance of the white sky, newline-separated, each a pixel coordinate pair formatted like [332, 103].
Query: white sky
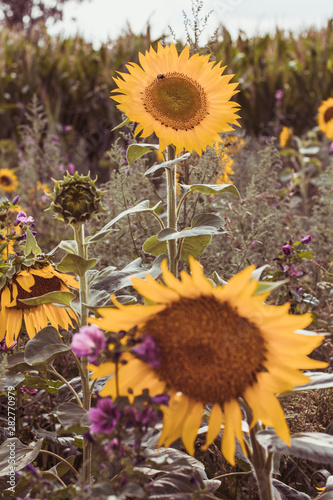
[102, 20]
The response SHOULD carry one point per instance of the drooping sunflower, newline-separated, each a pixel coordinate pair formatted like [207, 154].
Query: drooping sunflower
[325, 117]
[184, 100]
[8, 180]
[216, 344]
[28, 283]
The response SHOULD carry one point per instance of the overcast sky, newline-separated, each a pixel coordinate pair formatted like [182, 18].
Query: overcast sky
[100, 20]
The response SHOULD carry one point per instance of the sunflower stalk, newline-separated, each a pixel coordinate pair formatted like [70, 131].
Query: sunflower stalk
[172, 209]
[262, 464]
[82, 250]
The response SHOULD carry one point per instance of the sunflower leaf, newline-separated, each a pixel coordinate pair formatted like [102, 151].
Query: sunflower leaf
[268, 286]
[314, 446]
[171, 234]
[212, 188]
[122, 124]
[289, 493]
[135, 151]
[31, 246]
[72, 263]
[69, 246]
[319, 380]
[99, 236]
[24, 455]
[72, 413]
[44, 347]
[167, 164]
[63, 298]
[194, 246]
[143, 206]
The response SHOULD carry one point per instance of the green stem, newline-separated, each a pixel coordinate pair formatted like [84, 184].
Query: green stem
[262, 464]
[86, 400]
[171, 210]
[54, 372]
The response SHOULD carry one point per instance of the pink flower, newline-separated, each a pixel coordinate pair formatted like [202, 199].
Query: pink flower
[104, 417]
[88, 342]
[71, 168]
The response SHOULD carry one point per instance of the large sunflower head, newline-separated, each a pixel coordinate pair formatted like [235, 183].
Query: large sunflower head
[184, 100]
[8, 180]
[325, 117]
[216, 344]
[27, 282]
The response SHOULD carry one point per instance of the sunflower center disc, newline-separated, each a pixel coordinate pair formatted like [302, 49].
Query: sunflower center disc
[41, 287]
[5, 180]
[209, 352]
[328, 115]
[176, 101]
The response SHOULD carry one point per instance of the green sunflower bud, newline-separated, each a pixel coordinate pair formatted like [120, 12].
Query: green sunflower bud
[76, 199]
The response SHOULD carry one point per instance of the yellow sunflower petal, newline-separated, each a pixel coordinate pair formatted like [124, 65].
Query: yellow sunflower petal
[29, 321]
[232, 428]
[115, 320]
[191, 425]
[214, 425]
[14, 323]
[174, 417]
[151, 290]
[25, 280]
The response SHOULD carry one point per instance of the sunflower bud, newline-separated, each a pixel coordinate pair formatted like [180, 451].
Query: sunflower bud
[76, 199]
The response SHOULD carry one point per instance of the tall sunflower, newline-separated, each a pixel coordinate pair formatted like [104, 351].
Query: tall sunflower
[217, 344]
[184, 100]
[8, 180]
[25, 284]
[325, 117]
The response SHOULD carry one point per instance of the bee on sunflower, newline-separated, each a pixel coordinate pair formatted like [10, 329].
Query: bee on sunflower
[184, 100]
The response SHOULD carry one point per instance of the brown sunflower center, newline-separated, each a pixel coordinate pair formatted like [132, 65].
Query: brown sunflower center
[41, 286]
[176, 101]
[208, 351]
[5, 180]
[328, 115]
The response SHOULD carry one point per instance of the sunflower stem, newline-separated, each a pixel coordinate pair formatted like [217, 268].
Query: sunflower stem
[262, 464]
[82, 251]
[172, 209]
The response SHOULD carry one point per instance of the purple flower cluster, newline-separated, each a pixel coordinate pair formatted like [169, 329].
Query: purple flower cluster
[104, 417]
[23, 219]
[148, 351]
[88, 342]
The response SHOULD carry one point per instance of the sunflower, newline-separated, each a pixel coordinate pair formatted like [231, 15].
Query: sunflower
[284, 136]
[217, 344]
[28, 283]
[325, 117]
[8, 180]
[184, 100]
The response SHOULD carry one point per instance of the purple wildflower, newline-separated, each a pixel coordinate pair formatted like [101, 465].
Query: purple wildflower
[307, 239]
[23, 219]
[148, 351]
[104, 417]
[286, 249]
[88, 342]
[160, 399]
[71, 168]
[279, 94]
[16, 199]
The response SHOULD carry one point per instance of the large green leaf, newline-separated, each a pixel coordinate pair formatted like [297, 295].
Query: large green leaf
[24, 454]
[135, 151]
[69, 246]
[194, 246]
[71, 414]
[314, 446]
[166, 164]
[44, 347]
[121, 279]
[99, 236]
[143, 206]
[48, 385]
[72, 263]
[63, 298]
[212, 188]
[203, 224]
[31, 246]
